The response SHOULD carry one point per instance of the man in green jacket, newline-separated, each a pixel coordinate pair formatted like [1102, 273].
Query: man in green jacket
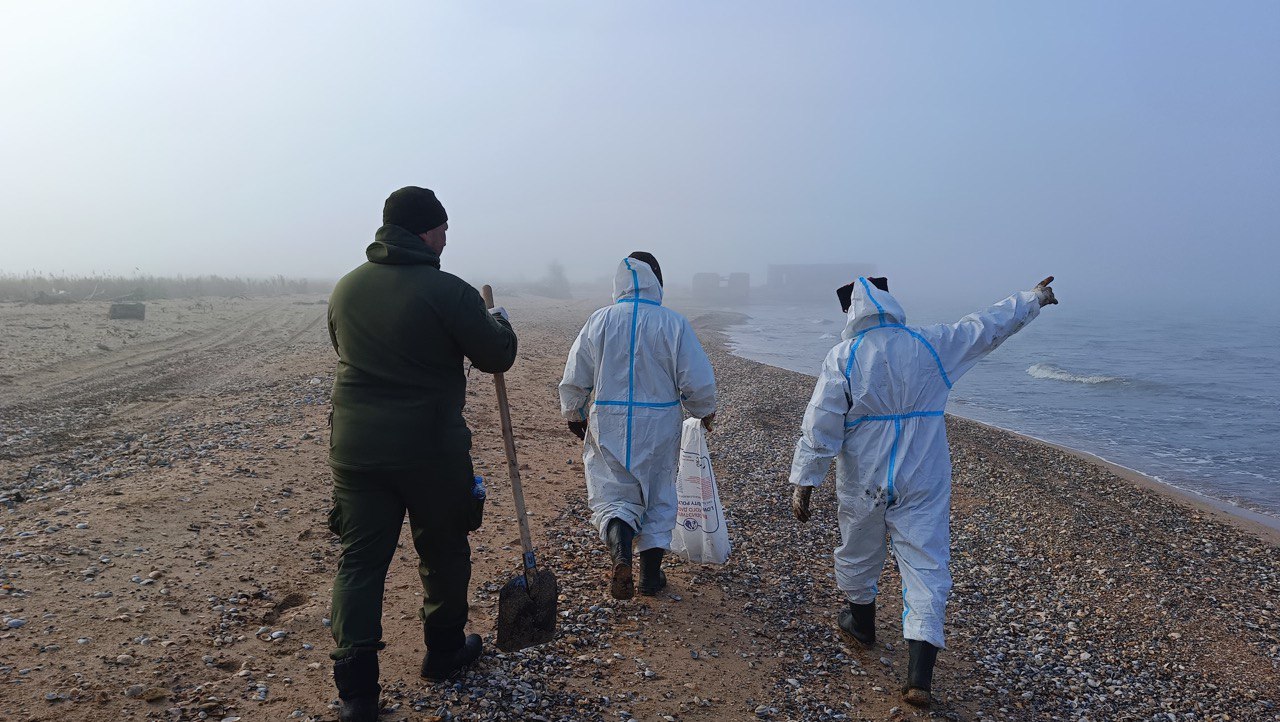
[399, 443]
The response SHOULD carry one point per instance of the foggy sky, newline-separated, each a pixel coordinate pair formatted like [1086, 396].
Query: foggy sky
[1133, 149]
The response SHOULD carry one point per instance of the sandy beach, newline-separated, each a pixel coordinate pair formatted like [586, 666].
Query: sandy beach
[164, 554]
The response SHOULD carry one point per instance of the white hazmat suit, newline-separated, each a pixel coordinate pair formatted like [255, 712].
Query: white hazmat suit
[642, 362]
[878, 410]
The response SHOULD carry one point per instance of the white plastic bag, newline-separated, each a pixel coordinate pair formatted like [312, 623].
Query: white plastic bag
[700, 534]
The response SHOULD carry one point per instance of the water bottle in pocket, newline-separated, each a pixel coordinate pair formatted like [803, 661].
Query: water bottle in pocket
[478, 494]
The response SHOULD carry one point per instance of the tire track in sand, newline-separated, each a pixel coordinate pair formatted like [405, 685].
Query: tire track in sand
[69, 401]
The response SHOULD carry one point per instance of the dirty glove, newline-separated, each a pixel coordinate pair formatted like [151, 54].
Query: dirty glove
[501, 313]
[1044, 292]
[578, 429]
[708, 420]
[800, 502]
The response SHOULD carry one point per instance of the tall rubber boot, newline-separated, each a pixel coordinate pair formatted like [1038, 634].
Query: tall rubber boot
[619, 535]
[857, 624]
[448, 653]
[920, 673]
[652, 578]
[356, 678]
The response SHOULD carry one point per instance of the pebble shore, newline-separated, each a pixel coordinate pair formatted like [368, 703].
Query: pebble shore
[1078, 595]
[163, 555]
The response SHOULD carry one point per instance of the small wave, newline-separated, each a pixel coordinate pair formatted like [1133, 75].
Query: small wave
[1049, 371]
[827, 337]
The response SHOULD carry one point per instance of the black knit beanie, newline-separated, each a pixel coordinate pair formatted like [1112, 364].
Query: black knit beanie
[648, 258]
[414, 209]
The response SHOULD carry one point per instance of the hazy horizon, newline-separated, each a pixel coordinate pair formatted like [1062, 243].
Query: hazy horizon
[1133, 149]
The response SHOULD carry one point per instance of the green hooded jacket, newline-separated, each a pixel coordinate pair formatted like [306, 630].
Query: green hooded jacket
[401, 328]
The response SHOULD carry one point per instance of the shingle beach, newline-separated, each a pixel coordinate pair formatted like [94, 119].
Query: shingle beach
[163, 553]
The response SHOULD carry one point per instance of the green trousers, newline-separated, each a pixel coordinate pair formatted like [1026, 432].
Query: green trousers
[368, 512]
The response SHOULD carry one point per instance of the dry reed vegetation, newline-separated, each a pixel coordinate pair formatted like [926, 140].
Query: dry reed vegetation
[42, 288]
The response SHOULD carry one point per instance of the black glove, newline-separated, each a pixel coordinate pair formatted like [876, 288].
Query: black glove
[578, 429]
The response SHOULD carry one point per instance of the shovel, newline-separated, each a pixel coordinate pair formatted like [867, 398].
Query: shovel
[527, 603]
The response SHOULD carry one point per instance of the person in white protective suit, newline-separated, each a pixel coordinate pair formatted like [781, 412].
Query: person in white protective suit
[877, 409]
[643, 362]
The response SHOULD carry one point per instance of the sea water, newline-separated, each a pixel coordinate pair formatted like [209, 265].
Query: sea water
[1192, 401]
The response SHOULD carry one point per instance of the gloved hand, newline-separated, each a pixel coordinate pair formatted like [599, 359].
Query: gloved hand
[501, 312]
[578, 429]
[1044, 292]
[800, 502]
[708, 420]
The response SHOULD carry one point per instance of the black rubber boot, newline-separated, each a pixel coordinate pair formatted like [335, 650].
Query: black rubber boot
[652, 578]
[446, 657]
[619, 535]
[857, 623]
[920, 673]
[356, 678]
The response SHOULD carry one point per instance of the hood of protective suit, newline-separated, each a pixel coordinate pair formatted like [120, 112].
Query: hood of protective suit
[635, 276]
[870, 307]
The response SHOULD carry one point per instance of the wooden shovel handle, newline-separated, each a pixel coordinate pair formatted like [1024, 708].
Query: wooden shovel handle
[513, 466]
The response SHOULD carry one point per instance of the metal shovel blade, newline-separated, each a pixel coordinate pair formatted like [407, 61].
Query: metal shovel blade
[527, 612]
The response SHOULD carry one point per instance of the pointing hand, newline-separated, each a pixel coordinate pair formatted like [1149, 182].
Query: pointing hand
[1044, 292]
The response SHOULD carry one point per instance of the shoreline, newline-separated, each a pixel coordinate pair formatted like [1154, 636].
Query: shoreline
[1066, 571]
[1256, 523]
[147, 540]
